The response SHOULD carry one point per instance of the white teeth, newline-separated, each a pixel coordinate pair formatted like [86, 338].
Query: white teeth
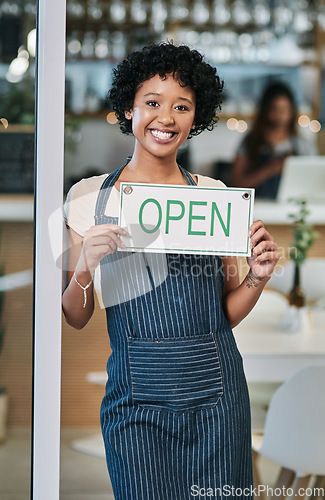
[161, 135]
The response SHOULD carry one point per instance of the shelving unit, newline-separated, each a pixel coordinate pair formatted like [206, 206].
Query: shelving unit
[225, 42]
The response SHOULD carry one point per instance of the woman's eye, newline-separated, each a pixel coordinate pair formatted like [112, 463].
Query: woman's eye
[152, 103]
[182, 108]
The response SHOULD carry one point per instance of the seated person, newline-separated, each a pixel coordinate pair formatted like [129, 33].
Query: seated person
[260, 158]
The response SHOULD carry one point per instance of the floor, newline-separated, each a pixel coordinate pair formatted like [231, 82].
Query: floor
[84, 477]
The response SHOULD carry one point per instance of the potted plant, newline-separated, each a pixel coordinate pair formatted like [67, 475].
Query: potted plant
[304, 237]
[3, 391]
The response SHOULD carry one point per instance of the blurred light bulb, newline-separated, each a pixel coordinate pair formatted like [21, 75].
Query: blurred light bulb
[74, 47]
[315, 126]
[22, 52]
[241, 126]
[304, 120]
[232, 123]
[18, 66]
[111, 118]
[31, 42]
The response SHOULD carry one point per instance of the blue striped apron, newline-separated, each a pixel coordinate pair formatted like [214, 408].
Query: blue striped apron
[175, 416]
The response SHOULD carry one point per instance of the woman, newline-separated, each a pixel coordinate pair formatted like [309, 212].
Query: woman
[260, 159]
[175, 416]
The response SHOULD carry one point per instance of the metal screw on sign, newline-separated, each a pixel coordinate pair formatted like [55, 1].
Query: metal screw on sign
[128, 190]
[246, 195]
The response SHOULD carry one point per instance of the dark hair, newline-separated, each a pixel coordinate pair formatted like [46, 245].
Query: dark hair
[270, 93]
[186, 64]
[256, 138]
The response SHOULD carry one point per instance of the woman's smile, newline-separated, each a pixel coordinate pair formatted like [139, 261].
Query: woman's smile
[162, 136]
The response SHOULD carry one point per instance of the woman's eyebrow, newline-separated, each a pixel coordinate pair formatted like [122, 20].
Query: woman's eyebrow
[178, 98]
[185, 99]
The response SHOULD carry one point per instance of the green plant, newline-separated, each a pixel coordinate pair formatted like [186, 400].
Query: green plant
[303, 233]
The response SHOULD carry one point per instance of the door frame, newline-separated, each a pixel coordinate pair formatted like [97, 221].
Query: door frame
[47, 315]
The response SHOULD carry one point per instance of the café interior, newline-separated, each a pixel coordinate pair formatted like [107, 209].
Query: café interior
[252, 43]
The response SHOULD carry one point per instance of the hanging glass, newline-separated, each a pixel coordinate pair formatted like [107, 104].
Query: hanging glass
[241, 13]
[221, 12]
[138, 11]
[200, 12]
[117, 11]
[179, 10]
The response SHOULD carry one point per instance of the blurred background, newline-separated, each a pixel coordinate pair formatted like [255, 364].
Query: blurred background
[252, 43]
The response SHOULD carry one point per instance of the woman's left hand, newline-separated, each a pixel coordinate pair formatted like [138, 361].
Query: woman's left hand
[265, 253]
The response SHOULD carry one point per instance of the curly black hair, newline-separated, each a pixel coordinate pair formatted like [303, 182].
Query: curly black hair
[163, 58]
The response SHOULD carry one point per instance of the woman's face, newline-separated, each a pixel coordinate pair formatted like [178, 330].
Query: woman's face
[162, 115]
[280, 112]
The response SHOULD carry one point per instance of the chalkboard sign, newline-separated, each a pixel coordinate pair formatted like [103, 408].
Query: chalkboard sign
[16, 162]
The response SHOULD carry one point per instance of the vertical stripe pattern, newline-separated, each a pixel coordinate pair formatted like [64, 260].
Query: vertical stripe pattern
[175, 416]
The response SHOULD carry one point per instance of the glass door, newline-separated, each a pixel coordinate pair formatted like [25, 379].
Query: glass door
[17, 124]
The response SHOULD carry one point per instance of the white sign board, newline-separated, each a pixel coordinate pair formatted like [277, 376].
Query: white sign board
[186, 219]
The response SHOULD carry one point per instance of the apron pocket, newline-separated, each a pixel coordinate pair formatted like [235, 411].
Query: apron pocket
[176, 375]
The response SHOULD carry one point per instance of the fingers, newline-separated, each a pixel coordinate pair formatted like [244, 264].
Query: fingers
[107, 229]
[268, 257]
[254, 227]
[264, 246]
[265, 253]
[257, 233]
[107, 239]
[106, 234]
[101, 240]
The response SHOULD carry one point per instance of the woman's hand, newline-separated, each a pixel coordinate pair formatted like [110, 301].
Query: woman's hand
[264, 251]
[98, 242]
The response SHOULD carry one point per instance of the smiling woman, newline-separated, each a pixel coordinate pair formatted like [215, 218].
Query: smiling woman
[176, 393]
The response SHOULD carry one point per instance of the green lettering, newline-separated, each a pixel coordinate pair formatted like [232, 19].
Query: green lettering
[225, 228]
[150, 200]
[191, 216]
[173, 217]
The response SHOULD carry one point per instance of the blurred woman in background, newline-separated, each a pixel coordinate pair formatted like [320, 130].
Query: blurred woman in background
[260, 158]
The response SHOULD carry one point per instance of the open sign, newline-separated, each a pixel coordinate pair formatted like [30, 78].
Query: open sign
[186, 219]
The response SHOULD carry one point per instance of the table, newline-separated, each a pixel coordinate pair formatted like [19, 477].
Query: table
[272, 355]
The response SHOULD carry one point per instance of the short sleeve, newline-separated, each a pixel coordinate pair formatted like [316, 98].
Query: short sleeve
[205, 181]
[79, 207]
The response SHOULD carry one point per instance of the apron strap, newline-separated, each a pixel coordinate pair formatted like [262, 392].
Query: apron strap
[106, 187]
[105, 191]
[187, 176]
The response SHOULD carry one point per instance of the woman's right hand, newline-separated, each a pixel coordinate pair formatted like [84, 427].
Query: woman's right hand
[98, 242]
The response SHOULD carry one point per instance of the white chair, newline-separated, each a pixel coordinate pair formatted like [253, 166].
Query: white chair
[294, 433]
[312, 280]
[92, 445]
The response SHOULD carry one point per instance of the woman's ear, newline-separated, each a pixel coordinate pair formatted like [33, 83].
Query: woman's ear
[128, 115]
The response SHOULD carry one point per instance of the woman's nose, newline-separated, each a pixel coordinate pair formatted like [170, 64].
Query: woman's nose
[166, 117]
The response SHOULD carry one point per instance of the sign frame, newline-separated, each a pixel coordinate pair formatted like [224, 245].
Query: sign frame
[246, 192]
